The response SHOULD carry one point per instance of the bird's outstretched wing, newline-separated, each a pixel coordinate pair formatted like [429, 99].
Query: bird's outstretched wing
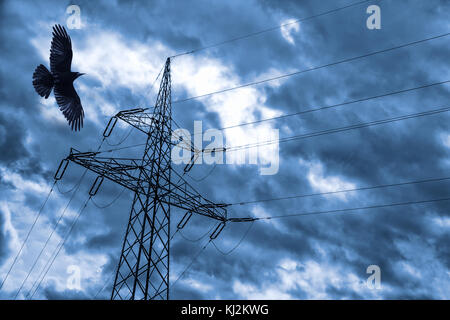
[70, 105]
[61, 50]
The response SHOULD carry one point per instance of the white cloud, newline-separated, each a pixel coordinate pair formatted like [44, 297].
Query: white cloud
[443, 222]
[446, 140]
[9, 230]
[19, 217]
[287, 28]
[437, 283]
[250, 292]
[23, 185]
[203, 287]
[312, 278]
[322, 183]
[200, 75]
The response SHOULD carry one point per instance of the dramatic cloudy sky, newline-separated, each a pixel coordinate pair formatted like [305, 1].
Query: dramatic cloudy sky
[122, 45]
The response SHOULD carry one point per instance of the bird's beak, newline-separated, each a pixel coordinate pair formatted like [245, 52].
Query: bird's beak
[80, 74]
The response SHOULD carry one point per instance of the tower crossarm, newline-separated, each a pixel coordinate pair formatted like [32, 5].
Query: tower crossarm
[197, 204]
[123, 171]
[143, 120]
[138, 118]
[183, 194]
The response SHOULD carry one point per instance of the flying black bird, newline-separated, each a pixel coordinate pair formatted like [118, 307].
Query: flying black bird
[61, 78]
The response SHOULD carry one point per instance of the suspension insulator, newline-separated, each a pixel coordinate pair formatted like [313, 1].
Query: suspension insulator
[185, 220]
[61, 169]
[217, 231]
[130, 111]
[96, 185]
[109, 128]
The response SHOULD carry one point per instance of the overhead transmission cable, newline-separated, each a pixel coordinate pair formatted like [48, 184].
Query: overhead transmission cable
[27, 236]
[314, 68]
[151, 87]
[55, 226]
[200, 238]
[192, 262]
[305, 111]
[252, 34]
[126, 135]
[326, 132]
[310, 213]
[380, 186]
[237, 244]
[340, 129]
[325, 107]
[75, 188]
[314, 109]
[122, 140]
[336, 130]
[58, 249]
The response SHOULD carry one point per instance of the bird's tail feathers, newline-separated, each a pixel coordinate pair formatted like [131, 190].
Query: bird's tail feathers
[43, 81]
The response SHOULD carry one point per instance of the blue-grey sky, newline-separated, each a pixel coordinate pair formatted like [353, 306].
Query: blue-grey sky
[122, 45]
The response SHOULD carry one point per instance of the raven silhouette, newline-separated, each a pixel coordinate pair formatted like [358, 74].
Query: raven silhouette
[61, 78]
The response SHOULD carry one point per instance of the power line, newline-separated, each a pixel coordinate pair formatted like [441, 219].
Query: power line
[304, 111]
[122, 140]
[205, 176]
[340, 129]
[103, 206]
[62, 243]
[237, 245]
[342, 191]
[335, 130]
[122, 148]
[192, 262]
[314, 68]
[200, 238]
[153, 84]
[104, 286]
[315, 109]
[76, 187]
[28, 235]
[248, 35]
[337, 104]
[246, 219]
[65, 192]
[268, 142]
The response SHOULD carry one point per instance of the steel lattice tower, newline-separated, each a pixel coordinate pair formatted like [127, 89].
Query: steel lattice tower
[144, 262]
[143, 268]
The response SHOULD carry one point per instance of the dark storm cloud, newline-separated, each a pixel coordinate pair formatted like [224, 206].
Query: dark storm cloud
[12, 140]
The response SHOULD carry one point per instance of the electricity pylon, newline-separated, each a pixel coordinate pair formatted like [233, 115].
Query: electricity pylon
[143, 269]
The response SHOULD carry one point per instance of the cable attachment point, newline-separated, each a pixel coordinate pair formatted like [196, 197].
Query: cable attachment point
[61, 169]
[217, 231]
[96, 185]
[185, 220]
[214, 150]
[129, 112]
[109, 128]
